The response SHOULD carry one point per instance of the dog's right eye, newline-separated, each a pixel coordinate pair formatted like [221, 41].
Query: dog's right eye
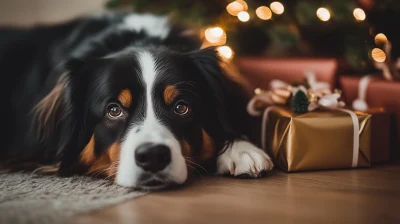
[181, 108]
[114, 111]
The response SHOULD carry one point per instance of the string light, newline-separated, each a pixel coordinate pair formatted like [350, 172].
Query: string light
[235, 7]
[277, 7]
[380, 38]
[215, 35]
[378, 55]
[264, 13]
[359, 14]
[243, 16]
[244, 4]
[225, 52]
[323, 14]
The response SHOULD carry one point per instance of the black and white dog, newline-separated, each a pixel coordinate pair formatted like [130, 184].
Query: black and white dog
[128, 96]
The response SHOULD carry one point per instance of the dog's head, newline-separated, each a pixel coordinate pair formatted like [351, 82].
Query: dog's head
[144, 118]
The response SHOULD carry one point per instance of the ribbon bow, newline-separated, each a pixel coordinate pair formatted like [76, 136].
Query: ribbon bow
[320, 95]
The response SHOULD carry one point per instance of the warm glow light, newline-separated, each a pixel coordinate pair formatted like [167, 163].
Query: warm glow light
[277, 7]
[225, 52]
[264, 13]
[217, 31]
[215, 35]
[257, 91]
[380, 38]
[234, 8]
[323, 14]
[243, 3]
[243, 16]
[359, 14]
[378, 55]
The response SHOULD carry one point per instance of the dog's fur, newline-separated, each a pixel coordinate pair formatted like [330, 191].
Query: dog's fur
[88, 93]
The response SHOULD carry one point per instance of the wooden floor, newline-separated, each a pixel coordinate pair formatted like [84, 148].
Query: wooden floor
[346, 196]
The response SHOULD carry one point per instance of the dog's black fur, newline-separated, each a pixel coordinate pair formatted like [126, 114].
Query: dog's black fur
[35, 61]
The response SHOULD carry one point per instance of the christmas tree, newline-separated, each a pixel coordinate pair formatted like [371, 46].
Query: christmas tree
[345, 29]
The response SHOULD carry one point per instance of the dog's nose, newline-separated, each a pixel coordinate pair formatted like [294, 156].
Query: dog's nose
[152, 157]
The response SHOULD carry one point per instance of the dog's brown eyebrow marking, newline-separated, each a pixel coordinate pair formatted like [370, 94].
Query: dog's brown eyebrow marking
[208, 147]
[170, 93]
[125, 97]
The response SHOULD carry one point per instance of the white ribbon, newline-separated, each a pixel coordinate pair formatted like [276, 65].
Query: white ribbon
[356, 136]
[361, 102]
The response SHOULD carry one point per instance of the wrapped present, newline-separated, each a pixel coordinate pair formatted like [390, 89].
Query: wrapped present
[261, 71]
[316, 140]
[380, 134]
[315, 132]
[371, 94]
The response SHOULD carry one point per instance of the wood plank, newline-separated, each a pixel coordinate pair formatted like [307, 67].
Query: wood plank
[344, 196]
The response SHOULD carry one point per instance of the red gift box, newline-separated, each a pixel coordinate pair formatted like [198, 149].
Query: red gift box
[261, 71]
[380, 94]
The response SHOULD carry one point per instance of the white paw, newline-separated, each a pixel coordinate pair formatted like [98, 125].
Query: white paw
[243, 158]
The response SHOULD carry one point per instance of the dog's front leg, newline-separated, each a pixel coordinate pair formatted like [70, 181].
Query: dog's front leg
[243, 159]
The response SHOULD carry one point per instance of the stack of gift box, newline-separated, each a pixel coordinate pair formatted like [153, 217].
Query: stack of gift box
[311, 117]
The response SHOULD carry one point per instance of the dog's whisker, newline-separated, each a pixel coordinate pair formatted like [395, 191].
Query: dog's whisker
[112, 168]
[195, 169]
[110, 176]
[97, 172]
[196, 164]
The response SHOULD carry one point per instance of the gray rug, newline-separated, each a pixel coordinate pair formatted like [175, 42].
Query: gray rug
[32, 198]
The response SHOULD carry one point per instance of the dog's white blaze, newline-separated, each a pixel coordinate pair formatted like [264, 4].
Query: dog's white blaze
[154, 26]
[151, 130]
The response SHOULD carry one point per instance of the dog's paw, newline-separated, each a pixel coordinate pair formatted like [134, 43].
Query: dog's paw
[244, 160]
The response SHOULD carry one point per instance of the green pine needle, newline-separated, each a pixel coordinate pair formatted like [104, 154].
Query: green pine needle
[300, 102]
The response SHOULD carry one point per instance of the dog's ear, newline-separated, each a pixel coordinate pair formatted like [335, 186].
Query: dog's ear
[59, 116]
[223, 94]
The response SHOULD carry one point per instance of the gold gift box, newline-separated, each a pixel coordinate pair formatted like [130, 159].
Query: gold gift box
[316, 140]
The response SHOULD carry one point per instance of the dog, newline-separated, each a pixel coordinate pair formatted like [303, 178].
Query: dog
[130, 97]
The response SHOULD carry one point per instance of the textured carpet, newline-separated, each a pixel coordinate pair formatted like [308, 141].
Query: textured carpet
[31, 198]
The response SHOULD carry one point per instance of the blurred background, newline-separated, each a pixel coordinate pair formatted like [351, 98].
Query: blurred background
[352, 31]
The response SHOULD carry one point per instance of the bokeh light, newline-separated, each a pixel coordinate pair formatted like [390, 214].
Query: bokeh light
[378, 55]
[277, 7]
[257, 91]
[225, 52]
[243, 16]
[235, 7]
[243, 3]
[359, 14]
[264, 13]
[215, 35]
[323, 14]
[380, 38]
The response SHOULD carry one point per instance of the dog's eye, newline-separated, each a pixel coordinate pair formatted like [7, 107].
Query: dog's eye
[181, 108]
[114, 111]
